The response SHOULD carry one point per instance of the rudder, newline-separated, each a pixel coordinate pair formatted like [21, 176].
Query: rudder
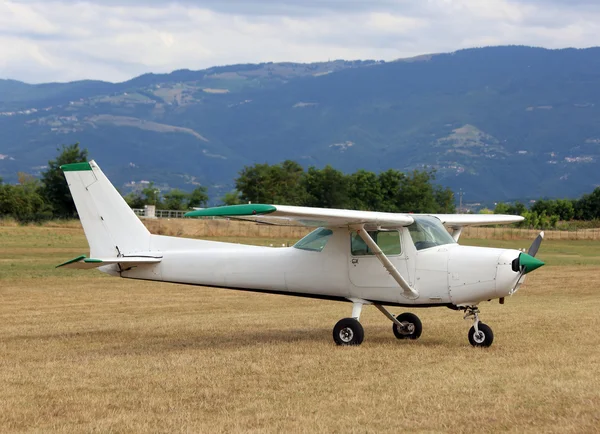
[110, 226]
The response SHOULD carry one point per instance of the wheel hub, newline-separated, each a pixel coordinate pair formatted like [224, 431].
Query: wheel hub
[346, 334]
[407, 328]
[479, 337]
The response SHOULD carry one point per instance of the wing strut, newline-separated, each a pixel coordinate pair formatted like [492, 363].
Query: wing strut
[387, 264]
[456, 231]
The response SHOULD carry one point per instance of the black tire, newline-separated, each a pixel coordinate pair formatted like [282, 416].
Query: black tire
[414, 326]
[485, 337]
[348, 331]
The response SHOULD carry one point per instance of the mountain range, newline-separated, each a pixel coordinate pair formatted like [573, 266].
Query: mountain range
[497, 122]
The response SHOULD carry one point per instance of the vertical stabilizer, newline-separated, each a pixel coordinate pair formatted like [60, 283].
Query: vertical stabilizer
[111, 227]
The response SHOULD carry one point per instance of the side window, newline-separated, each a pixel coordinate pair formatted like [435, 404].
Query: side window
[315, 241]
[388, 242]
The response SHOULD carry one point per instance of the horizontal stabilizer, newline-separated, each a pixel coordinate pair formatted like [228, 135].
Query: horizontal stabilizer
[82, 262]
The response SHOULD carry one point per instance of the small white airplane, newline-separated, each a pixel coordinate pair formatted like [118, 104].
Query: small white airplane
[361, 257]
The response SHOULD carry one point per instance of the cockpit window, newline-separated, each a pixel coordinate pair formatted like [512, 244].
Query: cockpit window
[315, 241]
[427, 232]
[388, 242]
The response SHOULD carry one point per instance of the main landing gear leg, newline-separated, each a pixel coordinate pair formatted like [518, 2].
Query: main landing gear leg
[349, 331]
[406, 325]
[480, 335]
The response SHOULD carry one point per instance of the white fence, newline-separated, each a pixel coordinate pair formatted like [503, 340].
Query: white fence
[151, 212]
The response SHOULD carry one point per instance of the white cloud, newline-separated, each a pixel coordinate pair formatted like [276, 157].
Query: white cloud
[115, 40]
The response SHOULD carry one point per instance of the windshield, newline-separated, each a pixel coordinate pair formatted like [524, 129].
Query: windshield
[315, 241]
[427, 232]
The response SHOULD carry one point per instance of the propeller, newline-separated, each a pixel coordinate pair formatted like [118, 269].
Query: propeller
[533, 249]
[526, 262]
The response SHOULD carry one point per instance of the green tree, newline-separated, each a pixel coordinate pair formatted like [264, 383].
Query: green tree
[517, 209]
[149, 195]
[253, 183]
[326, 188]
[501, 208]
[290, 181]
[198, 198]
[54, 186]
[24, 202]
[364, 191]
[278, 184]
[152, 196]
[543, 205]
[175, 200]
[444, 198]
[135, 200]
[588, 207]
[390, 191]
[231, 198]
[416, 193]
[565, 209]
[389, 185]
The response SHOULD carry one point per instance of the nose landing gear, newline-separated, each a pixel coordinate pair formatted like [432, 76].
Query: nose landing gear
[480, 335]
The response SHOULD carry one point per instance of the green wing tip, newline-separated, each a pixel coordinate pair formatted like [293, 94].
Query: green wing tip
[76, 167]
[70, 261]
[233, 210]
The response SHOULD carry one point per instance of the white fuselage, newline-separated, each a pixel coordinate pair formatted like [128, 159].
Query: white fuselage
[451, 274]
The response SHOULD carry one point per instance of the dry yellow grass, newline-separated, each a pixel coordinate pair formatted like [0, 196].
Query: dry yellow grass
[84, 352]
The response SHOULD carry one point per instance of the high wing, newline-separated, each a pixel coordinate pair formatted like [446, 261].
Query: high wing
[332, 218]
[306, 216]
[461, 220]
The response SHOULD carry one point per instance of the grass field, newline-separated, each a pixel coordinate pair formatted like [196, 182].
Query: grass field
[83, 352]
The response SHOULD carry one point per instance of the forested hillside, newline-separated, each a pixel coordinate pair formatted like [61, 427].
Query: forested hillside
[500, 122]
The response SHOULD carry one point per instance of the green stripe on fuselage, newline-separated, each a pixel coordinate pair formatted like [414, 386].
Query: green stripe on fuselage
[233, 210]
[76, 167]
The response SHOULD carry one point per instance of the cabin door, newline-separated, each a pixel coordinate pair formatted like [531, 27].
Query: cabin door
[366, 270]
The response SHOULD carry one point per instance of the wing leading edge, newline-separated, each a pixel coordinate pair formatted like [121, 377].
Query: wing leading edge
[461, 220]
[306, 216]
[329, 217]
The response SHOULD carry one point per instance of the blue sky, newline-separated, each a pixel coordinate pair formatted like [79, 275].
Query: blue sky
[114, 40]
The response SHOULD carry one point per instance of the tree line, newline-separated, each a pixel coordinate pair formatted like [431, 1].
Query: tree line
[546, 213]
[288, 183]
[174, 199]
[34, 200]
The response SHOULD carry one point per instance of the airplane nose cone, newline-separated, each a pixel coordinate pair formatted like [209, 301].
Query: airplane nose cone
[529, 262]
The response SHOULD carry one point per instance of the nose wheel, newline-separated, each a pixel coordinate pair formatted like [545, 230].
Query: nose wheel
[483, 337]
[480, 335]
